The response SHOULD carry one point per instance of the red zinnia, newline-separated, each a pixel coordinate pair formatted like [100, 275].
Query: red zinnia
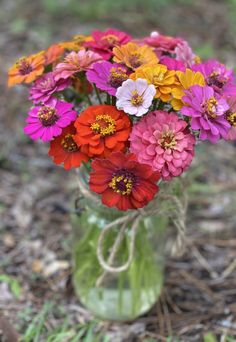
[123, 182]
[103, 129]
[65, 151]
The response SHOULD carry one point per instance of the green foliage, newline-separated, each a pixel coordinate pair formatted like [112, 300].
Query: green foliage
[13, 284]
[37, 329]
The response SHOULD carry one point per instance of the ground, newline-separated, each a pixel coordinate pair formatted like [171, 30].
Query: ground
[36, 298]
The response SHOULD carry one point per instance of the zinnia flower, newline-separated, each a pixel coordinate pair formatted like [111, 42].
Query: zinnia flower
[64, 149]
[163, 141]
[135, 97]
[107, 76]
[173, 64]
[158, 75]
[75, 62]
[45, 86]
[77, 43]
[185, 54]
[133, 55]
[53, 53]
[217, 76]
[207, 112]
[26, 69]
[162, 44]
[231, 118]
[45, 122]
[104, 129]
[103, 42]
[123, 182]
[185, 81]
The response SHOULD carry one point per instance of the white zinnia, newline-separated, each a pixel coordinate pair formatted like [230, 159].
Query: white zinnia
[135, 97]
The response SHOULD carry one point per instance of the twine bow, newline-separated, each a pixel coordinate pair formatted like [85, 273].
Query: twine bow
[174, 207]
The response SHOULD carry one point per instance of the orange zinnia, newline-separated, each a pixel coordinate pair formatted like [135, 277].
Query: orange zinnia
[103, 129]
[76, 44]
[163, 79]
[53, 53]
[133, 55]
[26, 69]
[64, 149]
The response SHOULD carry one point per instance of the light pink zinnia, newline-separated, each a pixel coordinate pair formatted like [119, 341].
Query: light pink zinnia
[75, 62]
[185, 54]
[135, 97]
[162, 140]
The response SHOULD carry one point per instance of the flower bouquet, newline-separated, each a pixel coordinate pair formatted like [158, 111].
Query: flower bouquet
[126, 114]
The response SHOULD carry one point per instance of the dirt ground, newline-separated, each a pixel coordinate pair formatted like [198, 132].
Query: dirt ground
[199, 296]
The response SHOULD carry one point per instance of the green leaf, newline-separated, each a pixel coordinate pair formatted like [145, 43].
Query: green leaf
[14, 285]
[209, 337]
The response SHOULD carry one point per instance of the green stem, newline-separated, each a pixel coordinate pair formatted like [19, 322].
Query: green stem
[161, 105]
[113, 99]
[97, 93]
[89, 100]
[108, 99]
[155, 101]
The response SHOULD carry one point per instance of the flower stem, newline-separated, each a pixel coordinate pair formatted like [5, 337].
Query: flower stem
[108, 99]
[97, 93]
[113, 99]
[89, 100]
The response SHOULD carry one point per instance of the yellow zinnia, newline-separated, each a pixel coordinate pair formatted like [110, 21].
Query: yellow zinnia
[185, 81]
[133, 55]
[163, 79]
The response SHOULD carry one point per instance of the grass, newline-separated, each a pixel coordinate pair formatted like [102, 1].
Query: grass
[39, 328]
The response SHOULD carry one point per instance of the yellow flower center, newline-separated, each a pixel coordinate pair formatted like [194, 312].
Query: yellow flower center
[117, 77]
[210, 107]
[104, 125]
[136, 99]
[47, 116]
[111, 39]
[231, 118]
[122, 184]
[24, 66]
[68, 143]
[168, 140]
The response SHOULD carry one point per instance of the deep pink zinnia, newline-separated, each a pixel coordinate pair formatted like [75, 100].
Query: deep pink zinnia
[207, 112]
[104, 42]
[45, 122]
[161, 43]
[75, 62]
[173, 64]
[107, 76]
[162, 140]
[45, 86]
[217, 76]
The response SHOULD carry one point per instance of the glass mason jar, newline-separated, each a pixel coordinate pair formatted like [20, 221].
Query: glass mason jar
[121, 295]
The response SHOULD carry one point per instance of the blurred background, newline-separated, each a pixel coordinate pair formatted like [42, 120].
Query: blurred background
[36, 299]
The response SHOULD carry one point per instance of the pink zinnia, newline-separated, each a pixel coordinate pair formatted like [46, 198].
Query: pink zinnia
[107, 76]
[46, 122]
[162, 44]
[185, 54]
[173, 64]
[217, 76]
[231, 118]
[162, 140]
[207, 112]
[45, 86]
[75, 62]
[104, 42]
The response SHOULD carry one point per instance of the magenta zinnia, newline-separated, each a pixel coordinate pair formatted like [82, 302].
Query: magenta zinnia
[163, 141]
[207, 112]
[45, 122]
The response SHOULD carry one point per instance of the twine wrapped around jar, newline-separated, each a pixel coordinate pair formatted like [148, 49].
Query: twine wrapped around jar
[166, 203]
